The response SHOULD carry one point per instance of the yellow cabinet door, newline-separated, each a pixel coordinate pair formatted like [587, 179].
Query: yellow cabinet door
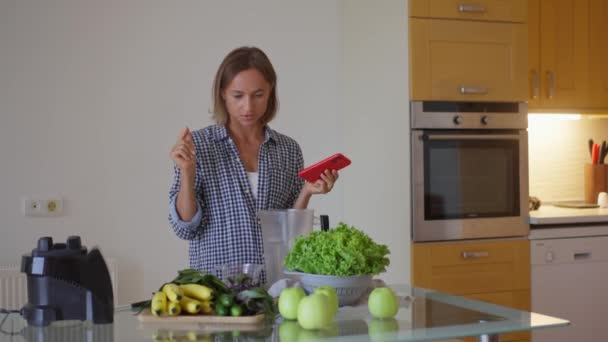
[564, 39]
[490, 10]
[465, 268]
[468, 60]
[534, 53]
[598, 52]
[495, 271]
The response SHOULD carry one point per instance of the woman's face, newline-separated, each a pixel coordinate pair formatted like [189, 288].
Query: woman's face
[246, 98]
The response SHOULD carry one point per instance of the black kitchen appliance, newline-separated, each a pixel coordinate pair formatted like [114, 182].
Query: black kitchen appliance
[67, 282]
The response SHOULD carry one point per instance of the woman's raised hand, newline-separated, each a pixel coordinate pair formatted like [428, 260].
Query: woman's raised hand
[184, 154]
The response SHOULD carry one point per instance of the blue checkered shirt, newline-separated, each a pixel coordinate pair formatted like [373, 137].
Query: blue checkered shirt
[225, 228]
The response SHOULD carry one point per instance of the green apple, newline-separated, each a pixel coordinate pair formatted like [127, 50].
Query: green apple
[383, 303]
[314, 312]
[330, 292]
[289, 300]
[381, 330]
[289, 331]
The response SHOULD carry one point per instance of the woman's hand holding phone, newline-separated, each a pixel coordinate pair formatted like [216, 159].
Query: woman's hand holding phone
[320, 177]
[324, 184]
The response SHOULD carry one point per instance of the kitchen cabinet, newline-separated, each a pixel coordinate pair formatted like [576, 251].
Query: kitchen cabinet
[490, 10]
[568, 47]
[468, 51]
[496, 271]
[452, 60]
[598, 56]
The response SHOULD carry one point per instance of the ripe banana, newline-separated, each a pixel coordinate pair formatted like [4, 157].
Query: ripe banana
[159, 303]
[197, 291]
[174, 308]
[191, 306]
[206, 307]
[173, 291]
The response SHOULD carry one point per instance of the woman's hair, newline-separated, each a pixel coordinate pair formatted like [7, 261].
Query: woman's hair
[238, 60]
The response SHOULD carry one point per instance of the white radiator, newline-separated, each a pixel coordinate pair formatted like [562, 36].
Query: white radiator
[13, 288]
[13, 285]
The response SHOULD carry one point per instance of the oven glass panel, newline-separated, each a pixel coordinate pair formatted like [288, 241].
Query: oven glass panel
[471, 178]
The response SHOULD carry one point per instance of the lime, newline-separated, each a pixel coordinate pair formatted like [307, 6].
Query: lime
[226, 300]
[221, 310]
[236, 310]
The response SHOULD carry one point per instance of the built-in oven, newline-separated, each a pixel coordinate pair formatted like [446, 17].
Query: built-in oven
[469, 170]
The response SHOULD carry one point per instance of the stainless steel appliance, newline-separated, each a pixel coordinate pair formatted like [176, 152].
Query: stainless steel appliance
[469, 170]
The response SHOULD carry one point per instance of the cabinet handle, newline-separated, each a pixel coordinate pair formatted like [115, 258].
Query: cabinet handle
[535, 86]
[550, 79]
[475, 255]
[471, 8]
[473, 90]
[582, 256]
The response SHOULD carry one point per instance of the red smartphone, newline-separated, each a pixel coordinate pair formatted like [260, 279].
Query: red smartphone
[313, 173]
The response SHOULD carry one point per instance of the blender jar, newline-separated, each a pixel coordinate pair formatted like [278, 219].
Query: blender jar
[279, 231]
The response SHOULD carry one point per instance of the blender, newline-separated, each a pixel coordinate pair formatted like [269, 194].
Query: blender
[279, 231]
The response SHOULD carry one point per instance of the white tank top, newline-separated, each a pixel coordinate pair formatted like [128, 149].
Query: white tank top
[253, 182]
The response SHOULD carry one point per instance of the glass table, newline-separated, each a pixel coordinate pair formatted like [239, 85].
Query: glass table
[424, 316]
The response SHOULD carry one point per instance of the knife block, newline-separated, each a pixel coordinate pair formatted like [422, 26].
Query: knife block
[595, 181]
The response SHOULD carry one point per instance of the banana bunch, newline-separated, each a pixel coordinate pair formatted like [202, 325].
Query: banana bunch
[174, 299]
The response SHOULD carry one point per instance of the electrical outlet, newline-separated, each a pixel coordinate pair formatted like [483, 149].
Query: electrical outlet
[52, 206]
[38, 206]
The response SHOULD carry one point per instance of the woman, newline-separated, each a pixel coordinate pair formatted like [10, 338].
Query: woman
[226, 172]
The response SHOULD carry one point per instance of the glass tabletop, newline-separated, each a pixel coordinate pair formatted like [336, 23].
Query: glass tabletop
[424, 315]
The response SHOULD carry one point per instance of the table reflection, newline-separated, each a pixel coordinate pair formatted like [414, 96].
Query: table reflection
[15, 329]
[424, 315]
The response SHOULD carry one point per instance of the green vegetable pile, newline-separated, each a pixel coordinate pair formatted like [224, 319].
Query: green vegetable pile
[239, 298]
[343, 251]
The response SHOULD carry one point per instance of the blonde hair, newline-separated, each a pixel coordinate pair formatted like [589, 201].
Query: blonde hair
[241, 59]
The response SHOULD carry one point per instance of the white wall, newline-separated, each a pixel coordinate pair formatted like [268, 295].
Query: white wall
[92, 95]
[376, 125]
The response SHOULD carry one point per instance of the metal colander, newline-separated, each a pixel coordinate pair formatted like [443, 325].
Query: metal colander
[349, 288]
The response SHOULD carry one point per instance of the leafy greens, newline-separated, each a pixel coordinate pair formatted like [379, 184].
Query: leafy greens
[343, 251]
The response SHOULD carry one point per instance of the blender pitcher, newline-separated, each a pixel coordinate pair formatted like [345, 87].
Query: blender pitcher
[279, 231]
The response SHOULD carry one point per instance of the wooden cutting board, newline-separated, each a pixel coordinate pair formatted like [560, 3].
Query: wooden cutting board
[146, 316]
[575, 204]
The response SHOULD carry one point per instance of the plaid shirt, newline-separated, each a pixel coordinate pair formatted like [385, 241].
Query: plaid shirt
[225, 228]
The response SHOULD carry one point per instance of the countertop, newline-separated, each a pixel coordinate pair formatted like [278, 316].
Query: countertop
[550, 215]
[551, 222]
[424, 315]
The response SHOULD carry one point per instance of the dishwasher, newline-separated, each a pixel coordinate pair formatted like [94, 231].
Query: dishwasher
[569, 273]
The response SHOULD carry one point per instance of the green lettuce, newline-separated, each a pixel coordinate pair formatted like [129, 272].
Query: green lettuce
[343, 251]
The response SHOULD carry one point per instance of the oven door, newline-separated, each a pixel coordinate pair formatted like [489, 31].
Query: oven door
[469, 185]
